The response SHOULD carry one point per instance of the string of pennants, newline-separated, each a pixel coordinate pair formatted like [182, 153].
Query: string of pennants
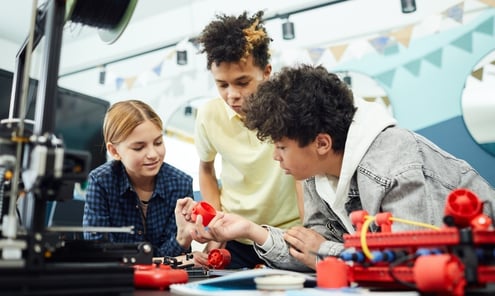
[385, 43]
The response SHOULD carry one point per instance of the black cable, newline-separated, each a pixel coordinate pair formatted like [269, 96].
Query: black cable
[395, 264]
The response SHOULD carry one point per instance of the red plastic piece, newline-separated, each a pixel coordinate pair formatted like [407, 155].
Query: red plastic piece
[358, 218]
[219, 258]
[440, 274]
[481, 222]
[383, 220]
[463, 205]
[205, 210]
[160, 276]
[331, 273]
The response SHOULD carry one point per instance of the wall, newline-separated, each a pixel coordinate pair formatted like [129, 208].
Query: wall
[425, 82]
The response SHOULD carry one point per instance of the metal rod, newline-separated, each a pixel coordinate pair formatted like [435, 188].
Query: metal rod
[123, 229]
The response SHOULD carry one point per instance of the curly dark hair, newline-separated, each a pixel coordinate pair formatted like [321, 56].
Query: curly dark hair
[233, 38]
[299, 103]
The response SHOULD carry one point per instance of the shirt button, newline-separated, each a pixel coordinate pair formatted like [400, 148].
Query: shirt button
[140, 232]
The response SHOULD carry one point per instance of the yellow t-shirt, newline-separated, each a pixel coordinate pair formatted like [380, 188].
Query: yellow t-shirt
[253, 184]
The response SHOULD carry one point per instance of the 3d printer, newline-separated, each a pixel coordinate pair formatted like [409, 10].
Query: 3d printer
[35, 167]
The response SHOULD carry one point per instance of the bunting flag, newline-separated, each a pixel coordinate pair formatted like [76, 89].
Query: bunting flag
[387, 77]
[486, 27]
[129, 82]
[385, 100]
[119, 81]
[392, 48]
[338, 50]
[170, 55]
[478, 74]
[315, 54]
[380, 43]
[465, 42]
[455, 12]
[386, 44]
[403, 35]
[158, 69]
[414, 67]
[435, 58]
[488, 2]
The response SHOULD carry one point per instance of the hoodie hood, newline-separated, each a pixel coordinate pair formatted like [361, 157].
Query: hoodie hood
[369, 120]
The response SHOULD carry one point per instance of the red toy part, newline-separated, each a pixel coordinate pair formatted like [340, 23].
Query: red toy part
[331, 273]
[219, 258]
[440, 274]
[383, 220]
[205, 210]
[463, 206]
[358, 218]
[157, 276]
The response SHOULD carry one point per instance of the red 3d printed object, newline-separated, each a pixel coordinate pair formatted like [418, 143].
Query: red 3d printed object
[450, 260]
[158, 276]
[205, 210]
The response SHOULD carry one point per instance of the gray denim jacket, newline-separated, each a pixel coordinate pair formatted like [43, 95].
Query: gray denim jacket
[402, 173]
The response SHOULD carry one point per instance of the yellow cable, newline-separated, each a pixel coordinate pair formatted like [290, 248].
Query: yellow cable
[415, 223]
[364, 230]
[369, 219]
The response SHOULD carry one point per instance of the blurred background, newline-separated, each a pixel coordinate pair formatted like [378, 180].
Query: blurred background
[432, 63]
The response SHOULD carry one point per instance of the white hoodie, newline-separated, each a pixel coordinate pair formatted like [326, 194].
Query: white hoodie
[369, 120]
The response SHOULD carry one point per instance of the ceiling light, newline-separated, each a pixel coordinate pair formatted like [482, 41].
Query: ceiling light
[182, 57]
[102, 74]
[408, 6]
[288, 30]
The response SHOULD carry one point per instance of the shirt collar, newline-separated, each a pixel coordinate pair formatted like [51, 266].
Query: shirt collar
[160, 182]
[230, 112]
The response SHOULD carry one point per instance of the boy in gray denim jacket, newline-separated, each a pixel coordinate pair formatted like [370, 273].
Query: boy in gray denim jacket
[351, 156]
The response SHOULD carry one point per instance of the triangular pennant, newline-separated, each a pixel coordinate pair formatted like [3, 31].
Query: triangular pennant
[386, 101]
[170, 55]
[455, 12]
[391, 49]
[369, 99]
[488, 2]
[338, 51]
[486, 27]
[465, 42]
[118, 82]
[435, 57]
[129, 82]
[158, 69]
[478, 74]
[380, 43]
[387, 78]
[315, 54]
[492, 62]
[413, 67]
[403, 36]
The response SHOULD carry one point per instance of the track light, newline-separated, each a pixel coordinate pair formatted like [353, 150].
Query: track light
[181, 57]
[188, 110]
[347, 79]
[408, 6]
[288, 30]
[102, 74]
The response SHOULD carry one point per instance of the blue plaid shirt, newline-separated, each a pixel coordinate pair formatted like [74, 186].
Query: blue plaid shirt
[112, 202]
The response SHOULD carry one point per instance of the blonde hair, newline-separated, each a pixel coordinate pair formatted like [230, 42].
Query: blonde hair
[123, 117]
[254, 36]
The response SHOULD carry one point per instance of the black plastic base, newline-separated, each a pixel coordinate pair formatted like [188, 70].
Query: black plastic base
[68, 279]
